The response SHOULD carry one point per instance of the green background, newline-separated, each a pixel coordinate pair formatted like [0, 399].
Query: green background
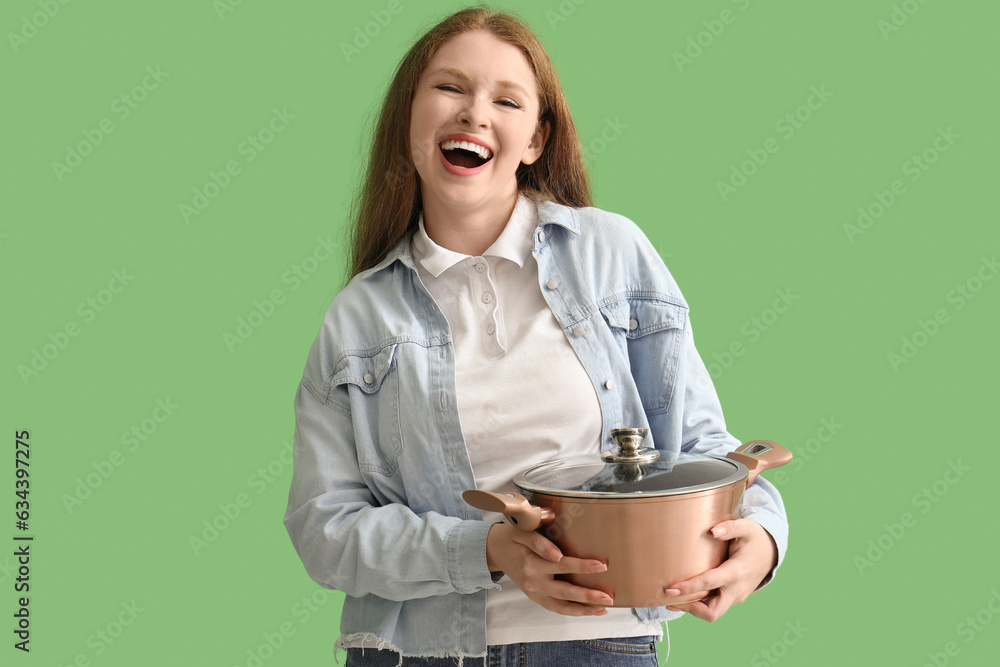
[672, 130]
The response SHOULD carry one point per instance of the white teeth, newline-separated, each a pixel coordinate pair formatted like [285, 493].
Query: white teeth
[482, 151]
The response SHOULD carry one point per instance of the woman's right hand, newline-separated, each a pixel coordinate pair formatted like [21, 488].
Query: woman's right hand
[531, 561]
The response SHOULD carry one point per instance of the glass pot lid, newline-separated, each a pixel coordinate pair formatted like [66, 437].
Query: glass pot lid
[630, 472]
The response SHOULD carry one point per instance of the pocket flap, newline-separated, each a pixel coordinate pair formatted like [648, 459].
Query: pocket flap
[366, 370]
[639, 317]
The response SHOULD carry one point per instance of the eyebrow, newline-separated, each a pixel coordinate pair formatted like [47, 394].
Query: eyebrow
[465, 77]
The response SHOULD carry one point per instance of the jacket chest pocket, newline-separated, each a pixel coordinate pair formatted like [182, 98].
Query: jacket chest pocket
[650, 333]
[373, 388]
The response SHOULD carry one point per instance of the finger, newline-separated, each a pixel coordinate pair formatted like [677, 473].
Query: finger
[730, 530]
[723, 575]
[713, 608]
[696, 609]
[563, 590]
[573, 608]
[675, 593]
[707, 610]
[570, 565]
[539, 545]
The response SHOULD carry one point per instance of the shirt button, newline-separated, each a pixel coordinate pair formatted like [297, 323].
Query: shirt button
[578, 331]
[541, 236]
[610, 384]
[480, 267]
[490, 329]
[369, 378]
[552, 284]
[487, 297]
[633, 324]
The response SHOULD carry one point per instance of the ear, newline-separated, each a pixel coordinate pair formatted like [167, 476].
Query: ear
[534, 149]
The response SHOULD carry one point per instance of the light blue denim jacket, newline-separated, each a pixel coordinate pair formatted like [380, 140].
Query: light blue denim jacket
[375, 508]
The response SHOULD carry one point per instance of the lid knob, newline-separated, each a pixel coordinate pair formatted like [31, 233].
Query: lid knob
[630, 448]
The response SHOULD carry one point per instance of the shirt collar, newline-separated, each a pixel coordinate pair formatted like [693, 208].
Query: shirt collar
[514, 242]
[549, 212]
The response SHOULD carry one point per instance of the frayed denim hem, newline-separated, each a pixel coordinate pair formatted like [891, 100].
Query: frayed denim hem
[373, 641]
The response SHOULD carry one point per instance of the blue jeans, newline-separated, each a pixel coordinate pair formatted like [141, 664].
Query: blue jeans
[614, 652]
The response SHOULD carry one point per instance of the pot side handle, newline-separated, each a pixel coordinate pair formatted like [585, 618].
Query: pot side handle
[514, 507]
[760, 455]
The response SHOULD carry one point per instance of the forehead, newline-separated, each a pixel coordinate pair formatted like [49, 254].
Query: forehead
[485, 58]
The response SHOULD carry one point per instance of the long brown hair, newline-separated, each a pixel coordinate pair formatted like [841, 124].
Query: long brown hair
[388, 203]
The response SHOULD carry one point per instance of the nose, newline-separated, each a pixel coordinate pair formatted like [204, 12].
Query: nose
[474, 112]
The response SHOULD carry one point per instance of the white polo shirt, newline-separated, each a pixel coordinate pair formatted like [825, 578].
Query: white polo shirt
[523, 398]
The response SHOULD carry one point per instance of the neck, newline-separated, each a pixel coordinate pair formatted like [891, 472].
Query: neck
[469, 230]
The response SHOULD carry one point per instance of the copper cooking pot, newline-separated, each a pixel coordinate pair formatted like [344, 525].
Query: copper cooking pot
[648, 518]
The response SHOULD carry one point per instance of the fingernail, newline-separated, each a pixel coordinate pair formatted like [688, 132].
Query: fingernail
[719, 531]
[599, 567]
[555, 555]
[672, 591]
[607, 601]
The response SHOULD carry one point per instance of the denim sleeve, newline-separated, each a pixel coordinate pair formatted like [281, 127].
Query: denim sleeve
[347, 541]
[703, 431]
[694, 416]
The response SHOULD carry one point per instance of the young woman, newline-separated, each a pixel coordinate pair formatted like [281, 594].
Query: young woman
[494, 320]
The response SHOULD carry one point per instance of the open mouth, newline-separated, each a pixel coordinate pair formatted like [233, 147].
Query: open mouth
[465, 154]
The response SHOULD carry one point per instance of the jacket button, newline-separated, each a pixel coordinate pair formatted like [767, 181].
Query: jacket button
[541, 236]
[578, 331]
[487, 297]
[369, 378]
[610, 384]
[552, 284]
[633, 324]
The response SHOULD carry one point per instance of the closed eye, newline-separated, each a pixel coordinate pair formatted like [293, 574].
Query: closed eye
[510, 104]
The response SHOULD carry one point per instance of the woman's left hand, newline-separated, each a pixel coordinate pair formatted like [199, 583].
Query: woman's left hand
[752, 555]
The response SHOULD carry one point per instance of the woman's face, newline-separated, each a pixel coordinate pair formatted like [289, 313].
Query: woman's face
[478, 89]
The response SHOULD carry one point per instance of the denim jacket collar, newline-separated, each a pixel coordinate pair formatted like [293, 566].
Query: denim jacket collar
[549, 213]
